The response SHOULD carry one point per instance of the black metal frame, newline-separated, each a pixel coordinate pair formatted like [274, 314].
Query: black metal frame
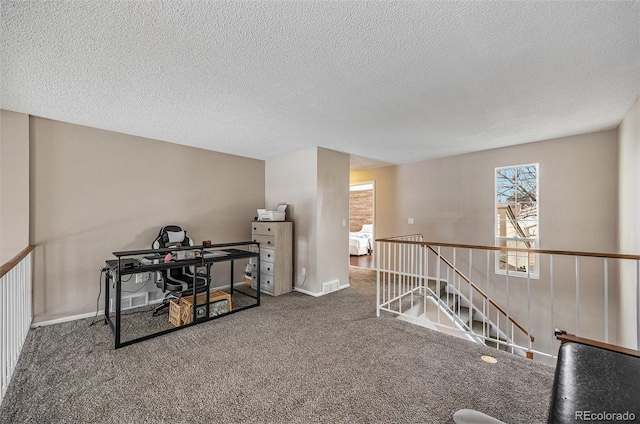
[232, 254]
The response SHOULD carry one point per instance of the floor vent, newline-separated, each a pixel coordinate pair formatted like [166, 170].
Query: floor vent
[132, 301]
[330, 286]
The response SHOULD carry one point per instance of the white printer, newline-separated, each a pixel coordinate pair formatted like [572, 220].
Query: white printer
[273, 215]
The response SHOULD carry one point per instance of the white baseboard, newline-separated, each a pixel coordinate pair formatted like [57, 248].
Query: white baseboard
[67, 319]
[310, 293]
[101, 311]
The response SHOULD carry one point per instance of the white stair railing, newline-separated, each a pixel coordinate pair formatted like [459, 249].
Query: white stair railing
[15, 313]
[574, 291]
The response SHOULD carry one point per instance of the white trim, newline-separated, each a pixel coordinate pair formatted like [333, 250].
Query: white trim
[100, 313]
[361, 186]
[70, 318]
[307, 292]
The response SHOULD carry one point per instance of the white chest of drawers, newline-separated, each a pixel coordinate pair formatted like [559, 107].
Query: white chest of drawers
[276, 261]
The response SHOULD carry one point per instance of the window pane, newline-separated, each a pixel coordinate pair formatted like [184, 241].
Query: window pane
[516, 217]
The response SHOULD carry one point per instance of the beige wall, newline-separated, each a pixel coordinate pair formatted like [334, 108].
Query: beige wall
[315, 185]
[94, 192]
[629, 226]
[333, 217]
[293, 179]
[452, 200]
[14, 184]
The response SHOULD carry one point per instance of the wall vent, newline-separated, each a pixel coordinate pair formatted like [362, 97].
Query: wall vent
[330, 286]
[131, 301]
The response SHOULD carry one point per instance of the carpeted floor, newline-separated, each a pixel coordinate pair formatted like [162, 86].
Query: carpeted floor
[295, 359]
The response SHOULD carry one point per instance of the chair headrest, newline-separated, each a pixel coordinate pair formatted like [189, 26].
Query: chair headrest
[172, 234]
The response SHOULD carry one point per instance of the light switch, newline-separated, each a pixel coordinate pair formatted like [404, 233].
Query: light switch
[344, 222]
[410, 220]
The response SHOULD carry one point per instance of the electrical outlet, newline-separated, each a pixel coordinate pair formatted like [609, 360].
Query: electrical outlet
[410, 221]
[142, 277]
[304, 271]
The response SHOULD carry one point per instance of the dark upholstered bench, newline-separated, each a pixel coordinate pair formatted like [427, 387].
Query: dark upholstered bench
[595, 382]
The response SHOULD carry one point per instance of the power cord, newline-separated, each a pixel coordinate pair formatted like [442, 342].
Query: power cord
[102, 271]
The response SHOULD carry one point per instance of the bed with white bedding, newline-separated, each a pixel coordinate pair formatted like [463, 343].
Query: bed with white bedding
[361, 242]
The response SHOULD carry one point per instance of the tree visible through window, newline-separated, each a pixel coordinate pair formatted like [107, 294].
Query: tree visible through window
[517, 218]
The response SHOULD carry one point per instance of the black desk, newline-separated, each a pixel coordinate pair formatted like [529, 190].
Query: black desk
[139, 261]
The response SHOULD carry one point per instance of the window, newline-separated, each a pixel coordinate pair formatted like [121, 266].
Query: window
[517, 219]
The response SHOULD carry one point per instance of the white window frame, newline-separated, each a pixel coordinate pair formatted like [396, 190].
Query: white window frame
[534, 241]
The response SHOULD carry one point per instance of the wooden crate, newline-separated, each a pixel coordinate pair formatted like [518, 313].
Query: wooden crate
[219, 303]
[175, 315]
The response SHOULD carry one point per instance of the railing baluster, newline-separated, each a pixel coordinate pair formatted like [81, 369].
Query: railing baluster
[3, 334]
[391, 275]
[438, 274]
[551, 332]
[378, 254]
[395, 275]
[424, 272]
[470, 290]
[497, 329]
[456, 304]
[606, 300]
[486, 314]
[577, 296]
[638, 304]
[508, 310]
[400, 275]
[528, 298]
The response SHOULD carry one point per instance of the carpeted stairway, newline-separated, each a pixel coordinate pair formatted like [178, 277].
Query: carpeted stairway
[452, 300]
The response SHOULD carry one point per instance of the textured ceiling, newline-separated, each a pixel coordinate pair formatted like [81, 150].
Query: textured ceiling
[389, 82]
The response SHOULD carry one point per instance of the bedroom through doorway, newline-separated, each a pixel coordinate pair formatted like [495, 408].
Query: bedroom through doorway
[361, 220]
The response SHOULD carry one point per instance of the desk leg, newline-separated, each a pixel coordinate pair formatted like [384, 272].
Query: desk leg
[207, 306]
[258, 280]
[118, 306]
[231, 289]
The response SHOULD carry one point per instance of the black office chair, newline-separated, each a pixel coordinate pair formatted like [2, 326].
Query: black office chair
[176, 282]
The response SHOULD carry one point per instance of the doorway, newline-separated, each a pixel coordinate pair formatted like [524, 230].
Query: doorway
[361, 224]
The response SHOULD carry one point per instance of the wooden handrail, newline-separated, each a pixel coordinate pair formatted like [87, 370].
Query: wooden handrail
[513, 249]
[570, 338]
[483, 294]
[4, 269]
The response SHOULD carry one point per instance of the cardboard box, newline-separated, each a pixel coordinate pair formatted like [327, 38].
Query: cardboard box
[219, 303]
[175, 316]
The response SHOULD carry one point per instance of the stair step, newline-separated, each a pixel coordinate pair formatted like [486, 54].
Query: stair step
[433, 285]
[492, 344]
[450, 299]
[463, 314]
[478, 327]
